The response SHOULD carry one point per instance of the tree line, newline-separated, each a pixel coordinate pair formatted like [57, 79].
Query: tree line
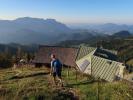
[9, 57]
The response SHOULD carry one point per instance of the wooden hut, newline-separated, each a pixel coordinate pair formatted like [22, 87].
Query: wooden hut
[100, 63]
[66, 55]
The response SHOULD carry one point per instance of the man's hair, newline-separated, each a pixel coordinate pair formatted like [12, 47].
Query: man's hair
[53, 55]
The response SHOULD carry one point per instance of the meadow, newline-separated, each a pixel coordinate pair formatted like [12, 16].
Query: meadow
[30, 83]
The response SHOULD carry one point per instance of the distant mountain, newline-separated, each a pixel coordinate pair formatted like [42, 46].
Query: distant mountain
[94, 39]
[108, 28]
[122, 34]
[31, 30]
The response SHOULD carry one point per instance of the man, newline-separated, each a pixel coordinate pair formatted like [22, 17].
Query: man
[56, 68]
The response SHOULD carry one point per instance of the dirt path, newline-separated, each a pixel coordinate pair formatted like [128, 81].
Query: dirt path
[64, 91]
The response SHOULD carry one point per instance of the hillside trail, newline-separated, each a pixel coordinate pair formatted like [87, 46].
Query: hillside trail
[64, 90]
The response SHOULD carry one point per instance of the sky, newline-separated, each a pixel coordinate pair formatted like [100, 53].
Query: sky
[70, 11]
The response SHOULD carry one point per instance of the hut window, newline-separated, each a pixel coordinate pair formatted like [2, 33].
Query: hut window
[84, 64]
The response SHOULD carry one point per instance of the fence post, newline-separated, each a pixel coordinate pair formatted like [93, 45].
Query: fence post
[76, 75]
[98, 90]
[68, 72]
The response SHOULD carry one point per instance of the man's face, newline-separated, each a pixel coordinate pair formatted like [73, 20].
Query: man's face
[52, 56]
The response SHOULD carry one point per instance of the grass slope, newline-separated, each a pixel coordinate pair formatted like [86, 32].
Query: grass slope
[35, 84]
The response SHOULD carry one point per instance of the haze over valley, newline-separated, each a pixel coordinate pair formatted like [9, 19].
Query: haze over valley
[27, 30]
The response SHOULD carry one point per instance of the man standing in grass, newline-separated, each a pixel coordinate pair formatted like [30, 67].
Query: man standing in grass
[56, 68]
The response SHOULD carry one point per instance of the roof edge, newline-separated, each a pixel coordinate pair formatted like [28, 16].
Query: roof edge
[41, 46]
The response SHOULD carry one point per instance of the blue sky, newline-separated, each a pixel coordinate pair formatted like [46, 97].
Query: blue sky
[70, 11]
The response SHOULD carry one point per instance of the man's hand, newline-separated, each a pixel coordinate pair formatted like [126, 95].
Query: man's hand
[50, 74]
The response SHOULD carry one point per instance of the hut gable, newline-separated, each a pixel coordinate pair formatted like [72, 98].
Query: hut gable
[66, 55]
[103, 53]
[100, 63]
[84, 50]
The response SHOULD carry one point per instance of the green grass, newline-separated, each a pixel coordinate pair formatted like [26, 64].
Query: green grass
[88, 89]
[36, 84]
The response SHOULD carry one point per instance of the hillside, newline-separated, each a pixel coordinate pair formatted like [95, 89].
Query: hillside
[36, 84]
[122, 34]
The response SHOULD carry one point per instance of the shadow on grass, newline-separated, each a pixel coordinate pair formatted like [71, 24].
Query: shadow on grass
[80, 83]
[31, 75]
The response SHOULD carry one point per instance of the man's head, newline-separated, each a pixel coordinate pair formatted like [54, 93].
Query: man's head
[53, 56]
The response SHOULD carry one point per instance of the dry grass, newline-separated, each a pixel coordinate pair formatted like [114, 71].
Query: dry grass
[36, 84]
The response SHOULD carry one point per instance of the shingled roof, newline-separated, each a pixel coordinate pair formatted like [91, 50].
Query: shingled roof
[104, 68]
[66, 55]
[104, 53]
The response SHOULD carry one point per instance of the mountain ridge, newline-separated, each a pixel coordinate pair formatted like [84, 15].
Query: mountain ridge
[28, 30]
[107, 28]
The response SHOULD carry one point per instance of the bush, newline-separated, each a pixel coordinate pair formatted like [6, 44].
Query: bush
[5, 61]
